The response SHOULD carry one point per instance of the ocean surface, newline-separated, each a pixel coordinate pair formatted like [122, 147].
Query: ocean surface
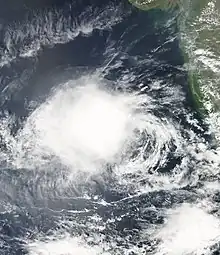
[103, 151]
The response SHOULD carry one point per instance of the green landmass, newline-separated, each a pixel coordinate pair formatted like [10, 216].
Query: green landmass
[198, 22]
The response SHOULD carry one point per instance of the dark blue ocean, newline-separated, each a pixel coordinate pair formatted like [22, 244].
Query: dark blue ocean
[103, 150]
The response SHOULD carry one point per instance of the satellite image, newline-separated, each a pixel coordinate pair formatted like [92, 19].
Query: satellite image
[110, 127]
